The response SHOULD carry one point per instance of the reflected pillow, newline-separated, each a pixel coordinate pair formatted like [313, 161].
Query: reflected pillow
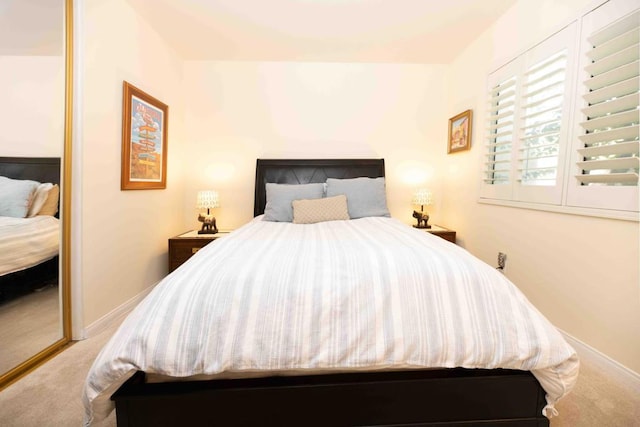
[280, 196]
[320, 210]
[16, 196]
[39, 197]
[365, 196]
[50, 206]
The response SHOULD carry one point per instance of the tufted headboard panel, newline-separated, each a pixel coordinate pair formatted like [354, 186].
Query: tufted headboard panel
[305, 171]
[41, 169]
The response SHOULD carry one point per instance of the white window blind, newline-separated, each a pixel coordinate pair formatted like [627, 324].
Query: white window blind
[541, 119]
[502, 101]
[564, 120]
[528, 127]
[606, 163]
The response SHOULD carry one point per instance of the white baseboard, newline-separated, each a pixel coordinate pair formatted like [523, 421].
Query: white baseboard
[602, 361]
[115, 315]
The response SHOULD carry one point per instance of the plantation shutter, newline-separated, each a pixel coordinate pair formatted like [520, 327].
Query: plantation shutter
[502, 100]
[611, 129]
[529, 123]
[500, 131]
[606, 158]
[541, 120]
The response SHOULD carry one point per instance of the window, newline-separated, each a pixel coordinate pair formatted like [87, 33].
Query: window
[528, 130]
[502, 117]
[557, 143]
[541, 118]
[605, 158]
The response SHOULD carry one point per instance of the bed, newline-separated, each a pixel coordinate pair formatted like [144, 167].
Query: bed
[29, 247]
[238, 336]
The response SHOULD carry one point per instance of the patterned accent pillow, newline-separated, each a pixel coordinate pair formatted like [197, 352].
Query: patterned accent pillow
[39, 197]
[319, 210]
[50, 206]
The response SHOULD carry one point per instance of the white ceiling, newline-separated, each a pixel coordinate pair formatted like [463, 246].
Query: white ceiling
[395, 31]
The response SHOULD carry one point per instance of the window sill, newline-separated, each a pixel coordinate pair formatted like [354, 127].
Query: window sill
[569, 210]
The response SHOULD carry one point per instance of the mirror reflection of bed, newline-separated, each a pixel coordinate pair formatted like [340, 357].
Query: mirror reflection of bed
[29, 258]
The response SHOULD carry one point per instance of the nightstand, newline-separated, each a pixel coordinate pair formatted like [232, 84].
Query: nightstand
[445, 233]
[183, 246]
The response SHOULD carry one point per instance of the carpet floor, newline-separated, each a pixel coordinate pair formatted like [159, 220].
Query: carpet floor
[29, 324]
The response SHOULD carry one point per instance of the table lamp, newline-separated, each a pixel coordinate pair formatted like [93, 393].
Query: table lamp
[207, 200]
[422, 197]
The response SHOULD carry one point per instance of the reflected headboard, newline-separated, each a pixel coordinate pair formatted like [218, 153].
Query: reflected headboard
[41, 169]
[305, 171]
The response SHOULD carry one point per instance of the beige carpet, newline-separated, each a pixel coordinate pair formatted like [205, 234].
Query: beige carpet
[602, 397]
[30, 323]
[50, 395]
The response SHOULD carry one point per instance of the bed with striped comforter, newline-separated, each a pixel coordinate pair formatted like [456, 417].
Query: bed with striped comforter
[365, 294]
[25, 242]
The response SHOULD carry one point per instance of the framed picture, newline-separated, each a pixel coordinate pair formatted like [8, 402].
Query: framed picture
[144, 141]
[460, 132]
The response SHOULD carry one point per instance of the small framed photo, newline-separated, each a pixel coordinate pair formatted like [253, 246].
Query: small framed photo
[144, 141]
[460, 132]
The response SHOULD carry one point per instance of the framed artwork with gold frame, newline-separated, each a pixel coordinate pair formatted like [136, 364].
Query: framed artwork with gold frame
[460, 132]
[144, 140]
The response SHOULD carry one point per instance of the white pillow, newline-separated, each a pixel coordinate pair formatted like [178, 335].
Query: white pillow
[39, 197]
[16, 196]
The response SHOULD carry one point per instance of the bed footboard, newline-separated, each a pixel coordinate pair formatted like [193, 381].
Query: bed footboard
[451, 397]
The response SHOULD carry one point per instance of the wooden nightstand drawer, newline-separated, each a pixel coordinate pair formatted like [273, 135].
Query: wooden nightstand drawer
[442, 232]
[184, 246]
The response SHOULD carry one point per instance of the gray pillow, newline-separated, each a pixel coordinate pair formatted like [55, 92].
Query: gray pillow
[365, 196]
[280, 196]
[16, 196]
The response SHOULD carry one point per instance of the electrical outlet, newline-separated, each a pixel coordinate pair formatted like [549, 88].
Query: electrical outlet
[502, 260]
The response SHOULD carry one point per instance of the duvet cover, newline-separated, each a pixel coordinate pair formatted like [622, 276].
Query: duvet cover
[366, 294]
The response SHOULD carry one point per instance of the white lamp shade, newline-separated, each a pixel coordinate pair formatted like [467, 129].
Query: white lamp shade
[208, 199]
[422, 197]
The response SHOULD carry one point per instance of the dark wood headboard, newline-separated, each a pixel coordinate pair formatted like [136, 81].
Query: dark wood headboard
[41, 169]
[306, 171]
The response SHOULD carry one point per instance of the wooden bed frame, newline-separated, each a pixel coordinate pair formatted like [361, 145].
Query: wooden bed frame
[41, 169]
[431, 397]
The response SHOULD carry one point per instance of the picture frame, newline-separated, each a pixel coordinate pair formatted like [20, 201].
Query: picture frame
[144, 140]
[460, 127]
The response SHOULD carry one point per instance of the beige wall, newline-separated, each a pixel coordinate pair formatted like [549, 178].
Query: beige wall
[32, 107]
[581, 272]
[240, 111]
[123, 233]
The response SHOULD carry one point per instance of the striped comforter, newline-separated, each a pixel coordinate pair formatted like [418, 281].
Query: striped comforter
[25, 242]
[370, 293]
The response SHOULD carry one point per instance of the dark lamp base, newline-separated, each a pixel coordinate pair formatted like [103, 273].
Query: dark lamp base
[207, 231]
[423, 219]
[208, 223]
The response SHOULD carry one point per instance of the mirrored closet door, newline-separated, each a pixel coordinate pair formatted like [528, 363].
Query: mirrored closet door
[35, 182]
